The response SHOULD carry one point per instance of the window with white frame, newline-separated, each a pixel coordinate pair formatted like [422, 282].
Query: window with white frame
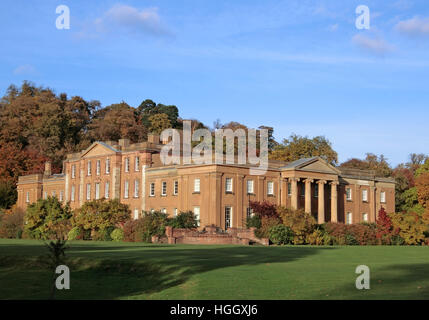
[176, 188]
[136, 163]
[107, 190]
[126, 189]
[164, 188]
[348, 218]
[136, 214]
[45, 195]
[164, 210]
[348, 194]
[89, 168]
[88, 191]
[365, 217]
[127, 164]
[61, 196]
[270, 188]
[175, 212]
[383, 197]
[197, 185]
[365, 195]
[27, 197]
[98, 167]
[228, 217]
[73, 171]
[197, 215]
[152, 189]
[107, 166]
[73, 191]
[97, 191]
[249, 186]
[136, 188]
[54, 194]
[228, 185]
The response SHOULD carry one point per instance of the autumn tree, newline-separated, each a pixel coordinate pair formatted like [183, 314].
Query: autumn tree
[297, 147]
[159, 122]
[378, 164]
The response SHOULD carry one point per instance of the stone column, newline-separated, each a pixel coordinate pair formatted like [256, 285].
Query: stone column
[294, 197]
[321, 202]
[308, 195]
[372, 203]
[334, 202]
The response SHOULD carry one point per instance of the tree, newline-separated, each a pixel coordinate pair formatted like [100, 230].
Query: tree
[101, 215]
[378, 164]
[159, 122]
[8, 194]
[422, 186]
[297, 147]
[47, 219]
[384, 227]
[115, 122]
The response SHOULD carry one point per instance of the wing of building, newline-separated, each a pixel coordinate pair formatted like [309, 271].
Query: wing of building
[218, 194]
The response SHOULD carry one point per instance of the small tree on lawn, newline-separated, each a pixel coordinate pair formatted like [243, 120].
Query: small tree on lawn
[384, 227]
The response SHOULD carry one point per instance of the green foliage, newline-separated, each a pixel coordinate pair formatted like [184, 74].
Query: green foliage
[297, 147]
[8, 194]
[75, 233]
[150, 224]
[101, 217]
[409, 226]
[319, 237]
[267, 222]
[280, 234]
[12, 224]
[117, 234]
[254, 221]
[184, 220]
[301, 223]
[47, 219]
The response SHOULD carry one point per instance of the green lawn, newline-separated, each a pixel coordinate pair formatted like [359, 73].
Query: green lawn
[109, 270]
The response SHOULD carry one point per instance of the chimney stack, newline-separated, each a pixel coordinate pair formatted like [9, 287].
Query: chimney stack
[124, 142]
[48, 168]
[153, 138]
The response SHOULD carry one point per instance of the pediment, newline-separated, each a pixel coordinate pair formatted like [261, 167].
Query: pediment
[315, 164]
[98, 149]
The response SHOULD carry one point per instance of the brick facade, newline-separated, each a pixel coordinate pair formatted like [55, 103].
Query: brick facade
[131, 172]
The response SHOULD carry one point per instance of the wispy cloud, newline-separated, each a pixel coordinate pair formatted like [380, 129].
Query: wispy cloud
[24, 70]
[414, 27]
[125, 18]
[377, 46]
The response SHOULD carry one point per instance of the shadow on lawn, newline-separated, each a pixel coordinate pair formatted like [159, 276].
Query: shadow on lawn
[400, 281]
[122, 273]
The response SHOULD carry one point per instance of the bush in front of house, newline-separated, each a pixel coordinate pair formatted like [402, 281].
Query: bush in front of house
[47, 219]
[301, 223]
[142, 229]
[280, 234]
[117, 235]
[183, 220]
[12, 224]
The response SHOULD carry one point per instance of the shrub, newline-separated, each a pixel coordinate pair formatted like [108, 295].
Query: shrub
[266, 223]
[150, 224]
[117, 235]
[408, 226]
[264, 209]
[354, 234]
[47, 219]
[184, 220]
[301, 223]
[12, 224]
[253, 221]
[319, 237]
[280, 234]
[384, 227]
[100, 217]
[75, 233]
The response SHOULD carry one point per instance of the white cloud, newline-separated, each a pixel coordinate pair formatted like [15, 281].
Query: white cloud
[376, 46]
[24, 69]
[132, 19]
[414, 27]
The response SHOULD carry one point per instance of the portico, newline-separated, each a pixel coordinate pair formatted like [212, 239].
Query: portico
[316, 182]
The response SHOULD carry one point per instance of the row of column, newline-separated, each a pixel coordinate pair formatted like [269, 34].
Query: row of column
[321, 198]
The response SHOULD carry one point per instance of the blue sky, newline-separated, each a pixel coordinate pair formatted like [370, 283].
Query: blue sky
[300, 66]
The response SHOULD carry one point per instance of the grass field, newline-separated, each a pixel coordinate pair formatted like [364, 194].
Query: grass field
[109, 270]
